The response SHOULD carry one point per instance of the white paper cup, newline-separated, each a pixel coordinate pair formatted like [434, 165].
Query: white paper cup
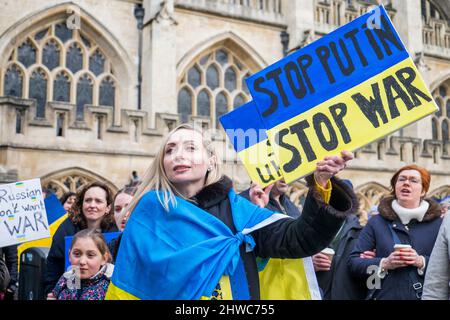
[398, 247]
[329, 253]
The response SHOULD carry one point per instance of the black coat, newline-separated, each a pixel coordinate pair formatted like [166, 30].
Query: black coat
[339, 283]
[287, 206]
[56, 255]
[11, 260]
[113, 247]
[398, 283]
[286, 238]
[4, 273]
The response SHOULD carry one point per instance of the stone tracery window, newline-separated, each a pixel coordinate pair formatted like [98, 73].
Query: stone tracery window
[212, 86]
[440, 120]
[54, 61]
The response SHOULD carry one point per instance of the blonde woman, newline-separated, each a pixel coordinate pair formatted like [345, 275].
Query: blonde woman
[190, 236]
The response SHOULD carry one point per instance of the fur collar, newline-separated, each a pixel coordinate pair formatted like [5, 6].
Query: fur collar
[386, 211]
[214, 193]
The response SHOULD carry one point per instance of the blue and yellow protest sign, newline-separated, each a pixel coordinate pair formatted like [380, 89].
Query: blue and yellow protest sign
[251, 143]
[341, 92]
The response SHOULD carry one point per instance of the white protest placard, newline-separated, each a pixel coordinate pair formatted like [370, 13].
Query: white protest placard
[22, 213]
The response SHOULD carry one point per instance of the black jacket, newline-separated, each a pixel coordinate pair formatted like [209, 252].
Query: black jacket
[288, 207]
[56, 255]
[286, 238]
[11, 260]
[4, 273]
[113, 247]
[339, 283]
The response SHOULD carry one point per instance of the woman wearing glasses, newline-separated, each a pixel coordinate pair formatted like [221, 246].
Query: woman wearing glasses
[403, 235]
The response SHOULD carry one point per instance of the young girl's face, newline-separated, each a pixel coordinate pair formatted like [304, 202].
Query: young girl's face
[121, 201]
[87, 257]
[185, 158]
[69, 202]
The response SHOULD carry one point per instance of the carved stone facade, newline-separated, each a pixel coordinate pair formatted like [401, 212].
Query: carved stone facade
[85, 94]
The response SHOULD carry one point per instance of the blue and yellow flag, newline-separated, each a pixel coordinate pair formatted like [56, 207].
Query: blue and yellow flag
[347, 89]
[183, 253]
[56, 214]
[288, 279]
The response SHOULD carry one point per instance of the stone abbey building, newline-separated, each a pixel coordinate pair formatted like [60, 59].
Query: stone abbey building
[88, 88]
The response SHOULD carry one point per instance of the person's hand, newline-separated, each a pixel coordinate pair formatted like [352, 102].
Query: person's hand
[411, 258]
[259, 196]
[51, 296]
[330, 166]
[321, 262]
[394, 261]
[368, 254]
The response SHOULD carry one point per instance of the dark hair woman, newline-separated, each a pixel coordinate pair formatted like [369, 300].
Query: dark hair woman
[91, 210]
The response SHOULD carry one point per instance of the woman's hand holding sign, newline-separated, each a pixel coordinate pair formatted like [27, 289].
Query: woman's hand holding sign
[330, 166]
[260, 196]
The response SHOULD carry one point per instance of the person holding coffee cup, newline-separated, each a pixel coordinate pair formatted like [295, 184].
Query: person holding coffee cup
[403, 235]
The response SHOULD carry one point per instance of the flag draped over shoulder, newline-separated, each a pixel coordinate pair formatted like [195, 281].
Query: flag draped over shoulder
[182, 253]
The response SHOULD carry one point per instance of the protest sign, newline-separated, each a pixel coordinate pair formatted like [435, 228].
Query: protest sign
[251, 143]
[22, 213]
[341, 92]
[56, 214]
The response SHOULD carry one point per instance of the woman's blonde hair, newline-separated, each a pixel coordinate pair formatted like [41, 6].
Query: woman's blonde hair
[156, 178]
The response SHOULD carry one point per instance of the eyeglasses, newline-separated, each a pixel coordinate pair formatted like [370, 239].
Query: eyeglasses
[414, 180]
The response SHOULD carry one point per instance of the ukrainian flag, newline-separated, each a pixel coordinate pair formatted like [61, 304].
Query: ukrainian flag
[184, 253]
[288, 279]
[56, 214]
[347, 89]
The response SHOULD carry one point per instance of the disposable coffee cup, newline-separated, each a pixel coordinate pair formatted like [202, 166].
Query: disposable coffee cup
[398, 247]
[329, 253]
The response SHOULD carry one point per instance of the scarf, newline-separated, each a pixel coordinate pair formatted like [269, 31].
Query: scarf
[406, 215]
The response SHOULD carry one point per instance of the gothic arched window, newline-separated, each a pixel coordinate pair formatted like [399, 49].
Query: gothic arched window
[203, 104]
[61, 87]
[439, 122]
[97, 63]
[184, 104]
[84, 95]
[445, 136]
[50, 55]
[64, 52]
[434, 129]
[221, 106]
[38, 91]
[213, 84]
[74, 58]
[13, 82]
[107, 92]
[26, 54]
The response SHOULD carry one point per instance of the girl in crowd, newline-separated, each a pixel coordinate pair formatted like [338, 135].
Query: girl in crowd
[92, 211]
[68, 199]
[185, 205]
[121, 200]
[89, 277]
[405, 218]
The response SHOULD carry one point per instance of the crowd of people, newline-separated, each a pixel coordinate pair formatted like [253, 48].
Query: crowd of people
[185, 197]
